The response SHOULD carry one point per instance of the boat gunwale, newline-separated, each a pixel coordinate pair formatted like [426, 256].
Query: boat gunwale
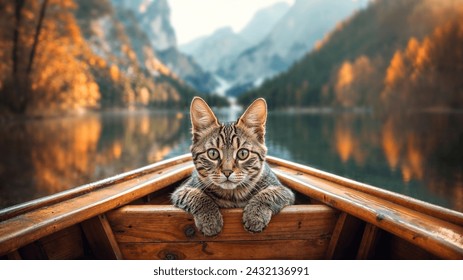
[407, 201]
[437, 236]
[433, 210]
[20, 238]
[52, 218]
[15, 210]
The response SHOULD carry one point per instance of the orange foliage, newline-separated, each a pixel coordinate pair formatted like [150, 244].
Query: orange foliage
[114, 72]
[71, 73]
[345, 76]
[144, 96]
[395, 70]
[427, 74]
[59, 79]
[352, 80]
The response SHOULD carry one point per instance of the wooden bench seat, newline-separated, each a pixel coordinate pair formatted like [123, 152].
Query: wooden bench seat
[166, 232]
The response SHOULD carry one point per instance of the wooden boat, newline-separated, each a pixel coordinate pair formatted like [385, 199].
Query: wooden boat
[129, 217]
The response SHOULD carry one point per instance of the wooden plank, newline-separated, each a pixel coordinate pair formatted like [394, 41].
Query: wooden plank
[15, 210]
[158, 223]
[26, 228]
[33, 251]
[406, 201]
[440, 237]
[368, 244]
[64, 244]
[14, 256]
[101, 238]
[233, 250]
[346, 237]
[335, 238]
[393, 247]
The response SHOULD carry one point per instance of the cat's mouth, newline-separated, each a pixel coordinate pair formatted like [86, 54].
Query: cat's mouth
[228, 185]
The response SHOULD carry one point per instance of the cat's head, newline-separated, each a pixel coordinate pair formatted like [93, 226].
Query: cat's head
[228, 155]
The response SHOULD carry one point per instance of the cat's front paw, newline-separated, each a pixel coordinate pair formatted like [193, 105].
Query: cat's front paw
[209, 223]
[256, 217]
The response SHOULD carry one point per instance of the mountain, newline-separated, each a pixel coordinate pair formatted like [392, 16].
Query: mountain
[224, 45]
[211, 51]
[153, 17]
[126, 67]
[263, 22]
[294, 34]
[190, 71]
[191, 47]
[71, 56]
[392, 51]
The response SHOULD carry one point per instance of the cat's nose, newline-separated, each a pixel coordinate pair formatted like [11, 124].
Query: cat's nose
[227, 172]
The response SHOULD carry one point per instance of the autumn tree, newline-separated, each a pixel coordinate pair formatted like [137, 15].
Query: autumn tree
[47, 70]
[427, 74]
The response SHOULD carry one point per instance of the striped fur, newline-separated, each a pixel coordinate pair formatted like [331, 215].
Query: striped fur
[230, 171]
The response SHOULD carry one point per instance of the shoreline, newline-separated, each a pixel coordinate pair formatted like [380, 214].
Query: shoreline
[8, 117]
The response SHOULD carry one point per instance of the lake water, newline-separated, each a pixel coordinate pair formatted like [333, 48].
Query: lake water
[419, 155]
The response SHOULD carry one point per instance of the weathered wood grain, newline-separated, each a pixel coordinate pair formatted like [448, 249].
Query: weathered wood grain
[22, 208]
[158, 223]
[406, 201]
[440, 237]
[28, 227]
[65, 244]
[101, 238]
[49, 227]
[368, 244]
[346, 237]
[245, 250]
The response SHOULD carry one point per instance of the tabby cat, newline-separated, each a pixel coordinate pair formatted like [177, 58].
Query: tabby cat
[230, 171]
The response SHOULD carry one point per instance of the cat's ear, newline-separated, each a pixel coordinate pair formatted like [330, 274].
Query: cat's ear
[254, 119]
[202, 116]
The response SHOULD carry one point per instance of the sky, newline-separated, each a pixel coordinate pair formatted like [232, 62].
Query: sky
[196, 18]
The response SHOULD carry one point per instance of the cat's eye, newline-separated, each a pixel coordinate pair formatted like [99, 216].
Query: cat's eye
[242, 154]
[213, 154]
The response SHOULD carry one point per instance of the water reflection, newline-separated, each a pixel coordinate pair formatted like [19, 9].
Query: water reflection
[47, 156]
[418, 154]
[427, 148]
